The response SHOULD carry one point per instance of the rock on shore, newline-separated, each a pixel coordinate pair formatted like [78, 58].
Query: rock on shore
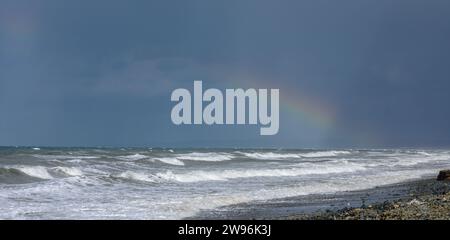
[422, 208]
[444, 175]
[427, 201]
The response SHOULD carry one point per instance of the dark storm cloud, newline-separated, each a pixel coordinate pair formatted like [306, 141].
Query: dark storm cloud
[101, 72]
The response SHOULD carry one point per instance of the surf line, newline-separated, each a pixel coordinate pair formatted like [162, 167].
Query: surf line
[213, 113]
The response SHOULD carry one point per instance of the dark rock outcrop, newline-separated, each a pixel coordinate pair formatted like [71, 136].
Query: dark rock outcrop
[444, 175]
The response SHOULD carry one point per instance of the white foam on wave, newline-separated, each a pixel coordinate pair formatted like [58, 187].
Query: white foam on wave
[171, 161]
[324, 154]
[76, 160]
[178, 159]
[411, 160]
[200, 175]
[46, 173]
[62, 157]
[136, 176]
[35, 171]
[283, 156]
[424, 153]
[407, 159]
[270, 155]
[70, 171]
[208, 156]
[133, 157]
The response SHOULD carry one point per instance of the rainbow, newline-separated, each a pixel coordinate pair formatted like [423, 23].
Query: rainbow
[307, 107]
[295, 102]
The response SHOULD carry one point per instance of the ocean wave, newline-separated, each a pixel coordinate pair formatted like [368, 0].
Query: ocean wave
[132, 157]
[171, 161]
[415, 160]
[14, 176]
[424, 153]
[63, 157]
[177, 159]
[40, 172]
[75, 160]
[207, 157]
[137, 176]
[324, 154]
[35, 171]
[269, 155]
[200, 175]
[283, 156]
[69, 171]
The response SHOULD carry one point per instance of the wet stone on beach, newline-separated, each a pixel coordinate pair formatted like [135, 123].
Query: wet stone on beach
[444, 175]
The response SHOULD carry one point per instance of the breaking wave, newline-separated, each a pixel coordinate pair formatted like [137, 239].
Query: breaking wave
[270, 155]
[39, 172]
[171, 161]
[208, 157]
[200, 175]
[69, 171]
[35, 171]
[282, 156]
[324, 154]
[136, 176]
[63, 157]
[132, 157]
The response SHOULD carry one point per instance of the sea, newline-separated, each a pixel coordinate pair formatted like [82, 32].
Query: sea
[164, 183]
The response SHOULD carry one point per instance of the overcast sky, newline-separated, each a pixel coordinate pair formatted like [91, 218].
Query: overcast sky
[100, 73]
